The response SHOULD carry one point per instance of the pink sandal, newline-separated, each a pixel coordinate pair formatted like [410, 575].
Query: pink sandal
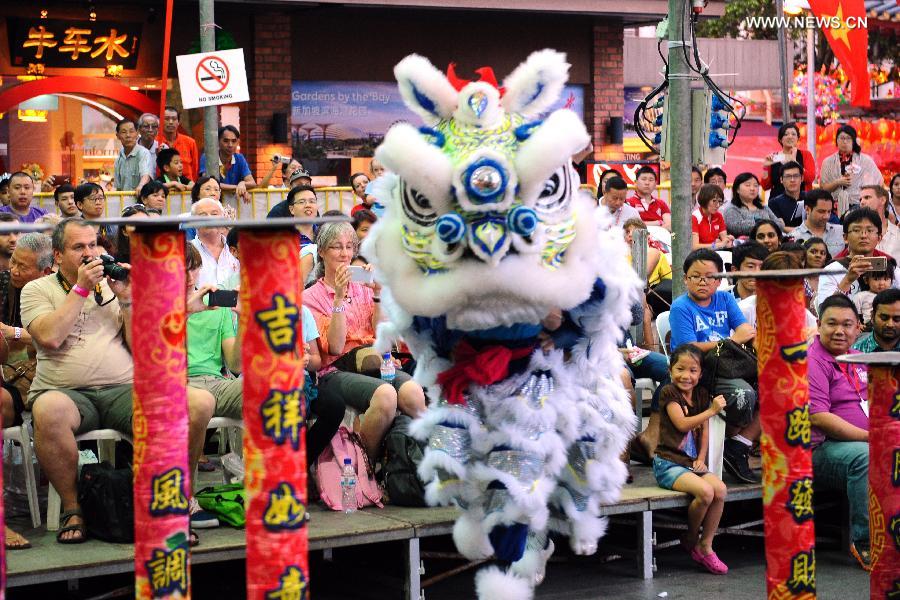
[709, 561]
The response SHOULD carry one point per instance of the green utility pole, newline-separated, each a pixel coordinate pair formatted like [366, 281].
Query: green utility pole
[210, 113]
[679, 112]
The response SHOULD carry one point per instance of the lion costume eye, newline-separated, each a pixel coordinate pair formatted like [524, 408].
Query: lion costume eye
[554, 196]
[416, 206]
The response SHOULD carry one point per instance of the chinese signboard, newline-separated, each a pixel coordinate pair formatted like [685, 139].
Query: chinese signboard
[73, 44]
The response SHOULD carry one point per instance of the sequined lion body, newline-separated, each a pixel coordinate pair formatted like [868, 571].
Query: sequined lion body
[485, 234]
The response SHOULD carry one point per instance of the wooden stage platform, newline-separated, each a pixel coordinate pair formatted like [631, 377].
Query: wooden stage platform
[48, 561]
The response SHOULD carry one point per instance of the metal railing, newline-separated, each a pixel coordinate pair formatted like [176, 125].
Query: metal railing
[330, 198]
[262, 200]
[664, 191]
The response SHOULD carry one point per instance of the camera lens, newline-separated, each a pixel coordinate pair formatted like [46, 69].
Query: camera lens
[112, 270]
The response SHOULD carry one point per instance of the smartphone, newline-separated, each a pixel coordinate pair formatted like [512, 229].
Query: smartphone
[360, 275]
[226, 298]
[876, 263]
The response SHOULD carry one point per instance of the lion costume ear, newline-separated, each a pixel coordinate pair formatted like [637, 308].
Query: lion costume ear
[424, 89]
[536, 84]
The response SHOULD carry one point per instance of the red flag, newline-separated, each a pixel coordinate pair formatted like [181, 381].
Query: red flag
[844, 25]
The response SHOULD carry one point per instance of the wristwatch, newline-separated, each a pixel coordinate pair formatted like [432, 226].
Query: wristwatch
[338, 309]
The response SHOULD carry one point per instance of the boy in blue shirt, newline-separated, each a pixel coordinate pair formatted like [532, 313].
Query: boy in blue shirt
[703, 317]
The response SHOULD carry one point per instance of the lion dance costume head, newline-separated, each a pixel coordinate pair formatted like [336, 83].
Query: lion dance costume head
[486, 248]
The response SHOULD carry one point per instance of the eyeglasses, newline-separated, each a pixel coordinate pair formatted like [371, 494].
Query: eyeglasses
[134, 209]
[792, 176]
[863, 231]
[309, 201]
[700, 278]
[95, 198]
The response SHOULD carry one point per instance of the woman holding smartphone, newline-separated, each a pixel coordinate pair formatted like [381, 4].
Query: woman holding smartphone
[788, 137]
[346, 314]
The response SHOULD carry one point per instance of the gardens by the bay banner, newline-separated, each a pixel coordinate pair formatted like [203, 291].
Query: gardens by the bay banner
[349, 118]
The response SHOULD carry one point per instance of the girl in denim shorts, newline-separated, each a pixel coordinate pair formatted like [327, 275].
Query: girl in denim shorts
[680, 461]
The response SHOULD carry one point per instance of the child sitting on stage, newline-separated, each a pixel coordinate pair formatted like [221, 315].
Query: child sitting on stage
[685, 410]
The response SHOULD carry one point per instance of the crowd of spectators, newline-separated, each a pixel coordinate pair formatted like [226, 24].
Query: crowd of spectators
[61, 314]
[58, 310]
[841, 221]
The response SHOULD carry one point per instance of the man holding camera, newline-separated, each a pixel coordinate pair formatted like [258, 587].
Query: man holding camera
[80, 321]
[862, 232]
[287, 166]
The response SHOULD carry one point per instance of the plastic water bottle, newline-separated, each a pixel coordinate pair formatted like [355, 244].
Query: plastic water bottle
[348, 487]
[387, 368]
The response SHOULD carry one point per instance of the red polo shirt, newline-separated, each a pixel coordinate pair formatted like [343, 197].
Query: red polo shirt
[651, 212]
[707, 227]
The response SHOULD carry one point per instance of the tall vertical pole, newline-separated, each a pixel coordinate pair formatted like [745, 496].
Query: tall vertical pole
[811, 91]
[162, 479]
[210, 113]
[680, 142]
[785, 440]
[167, 43]
[639, 263]
[274, 414]
[884, 469]
[783, 66]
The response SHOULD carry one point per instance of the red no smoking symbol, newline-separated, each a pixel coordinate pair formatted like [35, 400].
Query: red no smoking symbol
[212, 75]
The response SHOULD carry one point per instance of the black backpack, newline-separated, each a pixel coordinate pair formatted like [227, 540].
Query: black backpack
[402, 455]
[106, 496]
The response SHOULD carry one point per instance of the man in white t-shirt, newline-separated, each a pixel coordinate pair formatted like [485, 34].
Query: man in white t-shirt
[613, 198]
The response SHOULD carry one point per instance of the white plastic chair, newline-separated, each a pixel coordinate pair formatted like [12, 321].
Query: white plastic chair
[725, 255]
[19, 434]
[662, 330]
[644, 384]
[230, 434]
[106, 447]
[716, 444]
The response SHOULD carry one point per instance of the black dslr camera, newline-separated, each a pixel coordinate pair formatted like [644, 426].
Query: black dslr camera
[110, 268]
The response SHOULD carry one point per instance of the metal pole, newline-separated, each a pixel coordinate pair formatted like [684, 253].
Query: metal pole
[680, 143]
[639, 263]
[811, 91]
[783, 66]
[210, 113]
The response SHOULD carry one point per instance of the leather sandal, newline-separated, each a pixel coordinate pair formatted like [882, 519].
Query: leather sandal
[79, 527]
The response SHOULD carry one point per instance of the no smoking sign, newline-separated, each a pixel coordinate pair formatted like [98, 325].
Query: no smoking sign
[212, 78]
[212, 75]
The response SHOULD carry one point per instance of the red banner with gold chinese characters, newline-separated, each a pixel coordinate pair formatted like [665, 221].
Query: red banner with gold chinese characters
[786, 457]
[274, 419]
[162, 481]
[884, 480]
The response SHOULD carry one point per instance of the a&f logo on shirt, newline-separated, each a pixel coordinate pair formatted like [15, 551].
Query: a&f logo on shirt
[719, 319]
